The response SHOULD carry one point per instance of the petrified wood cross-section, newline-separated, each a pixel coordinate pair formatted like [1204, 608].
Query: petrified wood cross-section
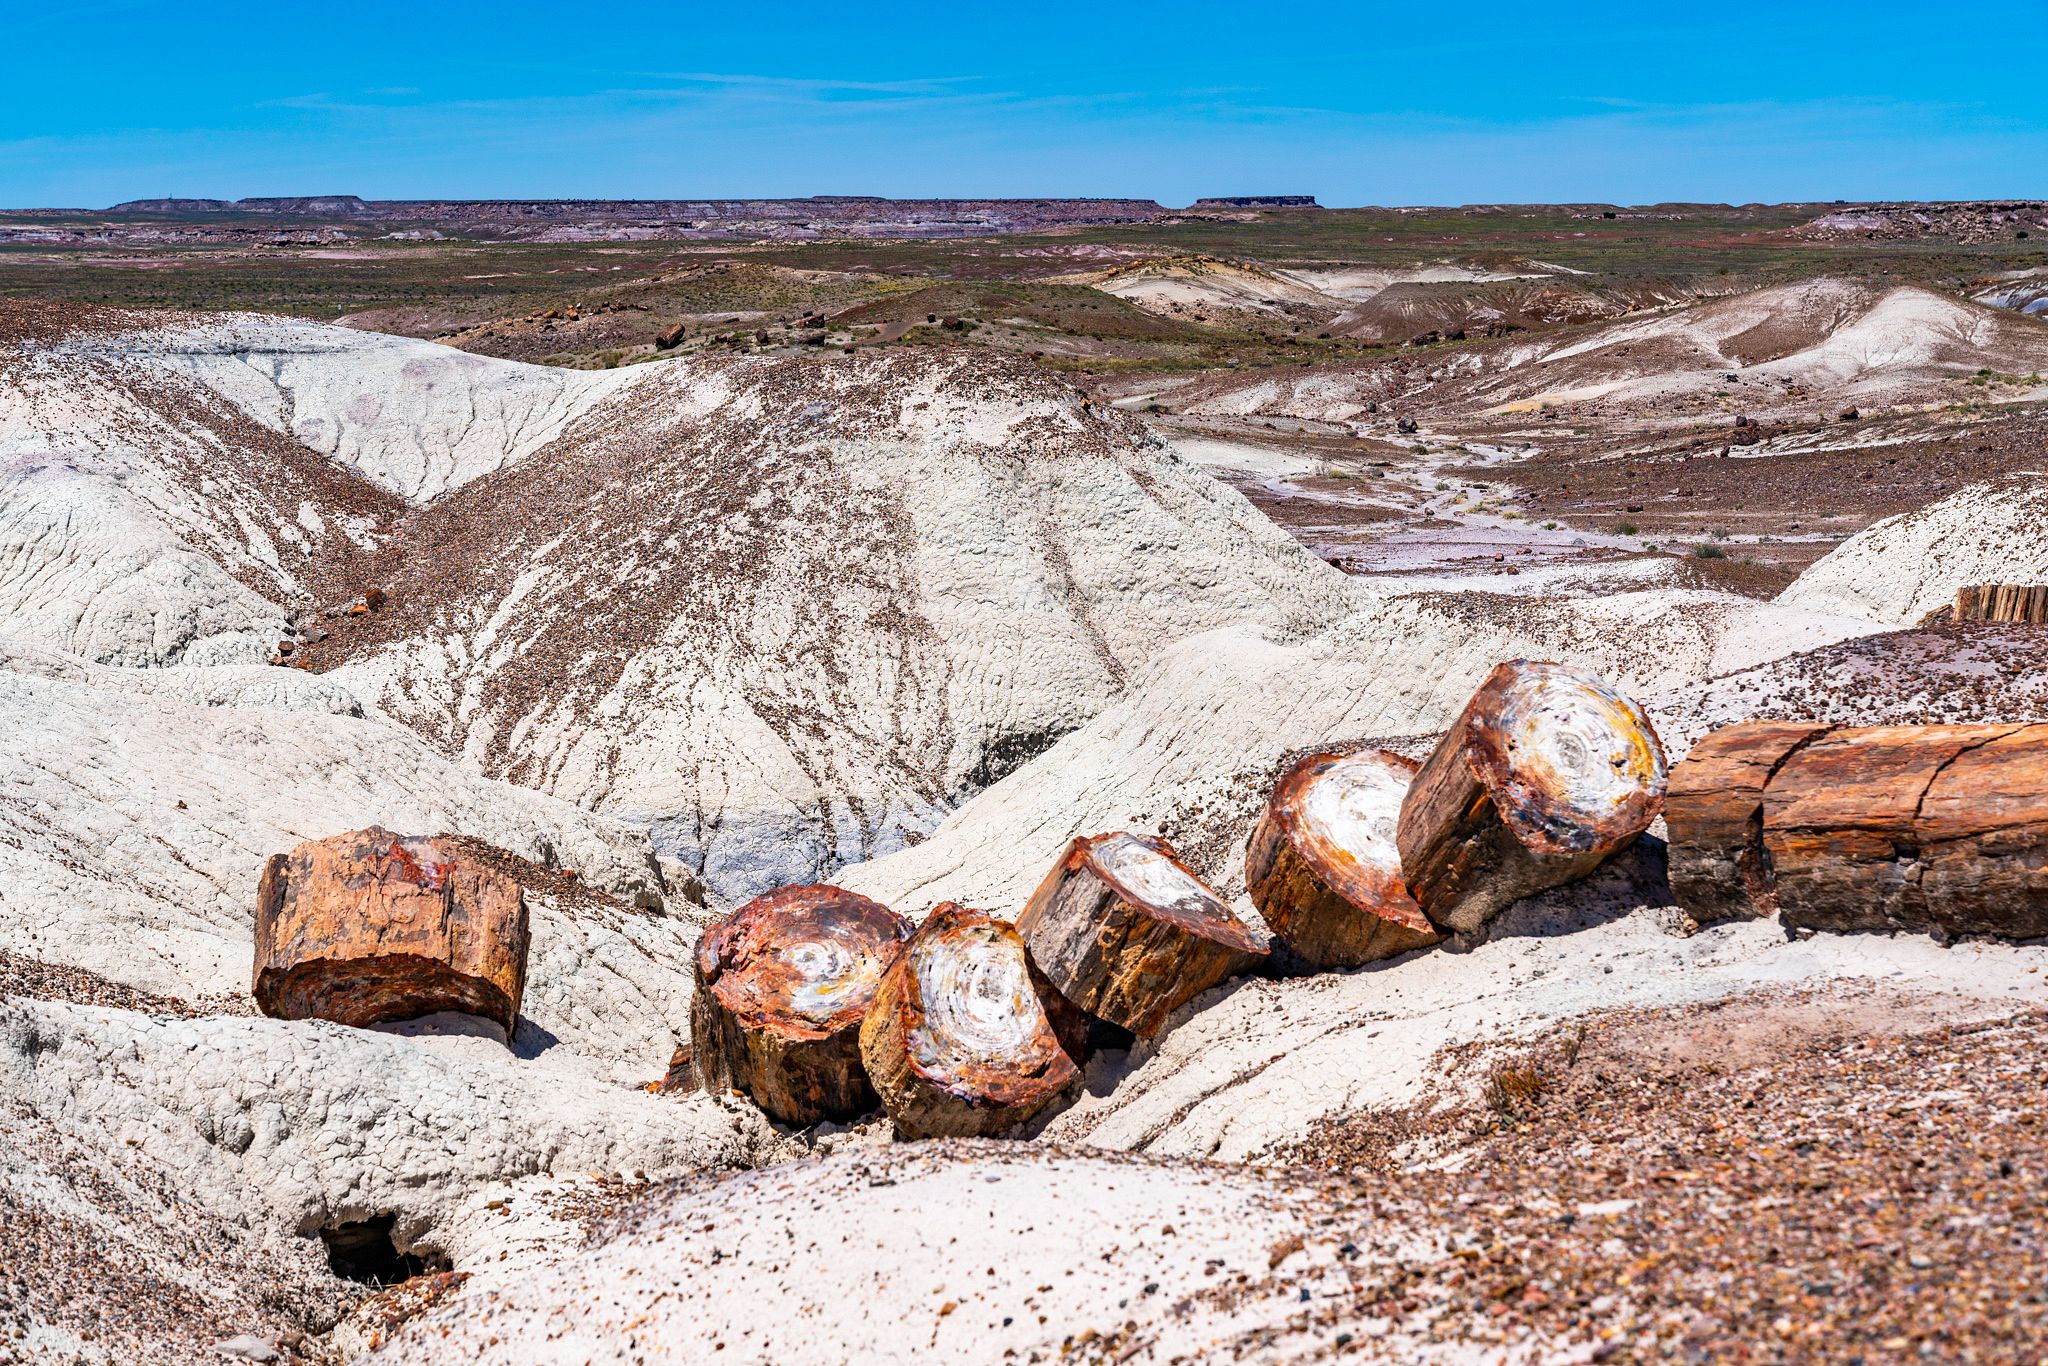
[782, 985]
[1322, 865]
[1546, 773]
[371, 926]
[1123, 930]
[957, 1042]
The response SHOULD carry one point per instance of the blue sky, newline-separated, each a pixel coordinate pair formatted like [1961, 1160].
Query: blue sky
[106, 100]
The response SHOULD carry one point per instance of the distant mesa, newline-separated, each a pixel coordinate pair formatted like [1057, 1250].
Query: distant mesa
[1258, 201]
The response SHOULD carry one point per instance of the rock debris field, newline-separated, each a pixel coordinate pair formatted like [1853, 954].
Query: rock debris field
[412, 763]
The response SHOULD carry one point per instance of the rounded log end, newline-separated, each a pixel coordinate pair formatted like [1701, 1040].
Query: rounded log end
[1340, 813]
[801, 963]
[967, 1017]
[1572, 765]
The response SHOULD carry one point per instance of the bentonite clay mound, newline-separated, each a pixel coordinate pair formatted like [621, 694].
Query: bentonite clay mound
[371, 926]
[1546, 773]
[957, 1043]
[1323, 866]
[1124, 931]
[782, 985]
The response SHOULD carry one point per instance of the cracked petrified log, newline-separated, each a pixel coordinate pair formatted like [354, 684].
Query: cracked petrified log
[1123, 930]
[1322, 865]
[371, 926]
[1714, 810]
[1546, 773]
[782, 985]
[957, 1042]
[1941, 828]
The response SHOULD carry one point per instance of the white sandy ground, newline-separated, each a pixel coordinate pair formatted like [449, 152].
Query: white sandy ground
[134, 825]
[958, 1249]
[1081, 579]
[1904, 567]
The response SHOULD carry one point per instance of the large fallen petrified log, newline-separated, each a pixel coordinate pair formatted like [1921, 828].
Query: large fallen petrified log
[1546, 773]
[957, 1042]
[782, 986]
[1123, 930]
[371, 926]
[1913, 827]
[1322, 865]
[1714, 810]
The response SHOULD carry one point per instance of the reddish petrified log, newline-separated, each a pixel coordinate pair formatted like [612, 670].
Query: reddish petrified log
[1123, 930]
[1546, 773]
[1713, 812]
[1847, 830]
[957, 1043]
[782, 985]
[2017, 602]
[371, 926]
[1322, 865]
[1983, 833]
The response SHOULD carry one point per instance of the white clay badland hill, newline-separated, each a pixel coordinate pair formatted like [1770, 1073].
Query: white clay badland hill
[903, 620]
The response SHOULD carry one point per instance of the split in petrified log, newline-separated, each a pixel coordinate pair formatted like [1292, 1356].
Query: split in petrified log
[782, 985]
[1547, 772]
[2017, 602]
[1713, 813]
[1322, 865]
[957, 1042]
[1122, 929]
[370, 926]
[1847, 831]
[1983, 832]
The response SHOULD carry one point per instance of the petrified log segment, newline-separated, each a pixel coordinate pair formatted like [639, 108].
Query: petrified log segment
[1844, 832]
[1322, 865]
[956, 1042]
[782, 985]
[1546, 773]
[372, 926]
[1714, 811]
[1122, 929]
[2002, 602]
[1983, 833]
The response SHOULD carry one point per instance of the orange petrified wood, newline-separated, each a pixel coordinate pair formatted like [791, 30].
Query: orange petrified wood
[1848, 827]
[1546, 773]
[371, 926]
[1714, 813]
[1322, 865]
[782, 985]
[1123, 930]
[957, 1042]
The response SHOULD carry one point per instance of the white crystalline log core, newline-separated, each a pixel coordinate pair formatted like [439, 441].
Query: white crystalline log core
[1355, 805]
[1145, 872]
[1579, 742]
[835, 969]
[979, 1006]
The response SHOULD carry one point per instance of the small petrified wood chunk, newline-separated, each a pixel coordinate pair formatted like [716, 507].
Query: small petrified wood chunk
[956, 1042]
[782, 984]
[1844, 828]
[1322, 865]
[1546, 773]
[1123, 930]
[1714, 813]
[371, 926]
